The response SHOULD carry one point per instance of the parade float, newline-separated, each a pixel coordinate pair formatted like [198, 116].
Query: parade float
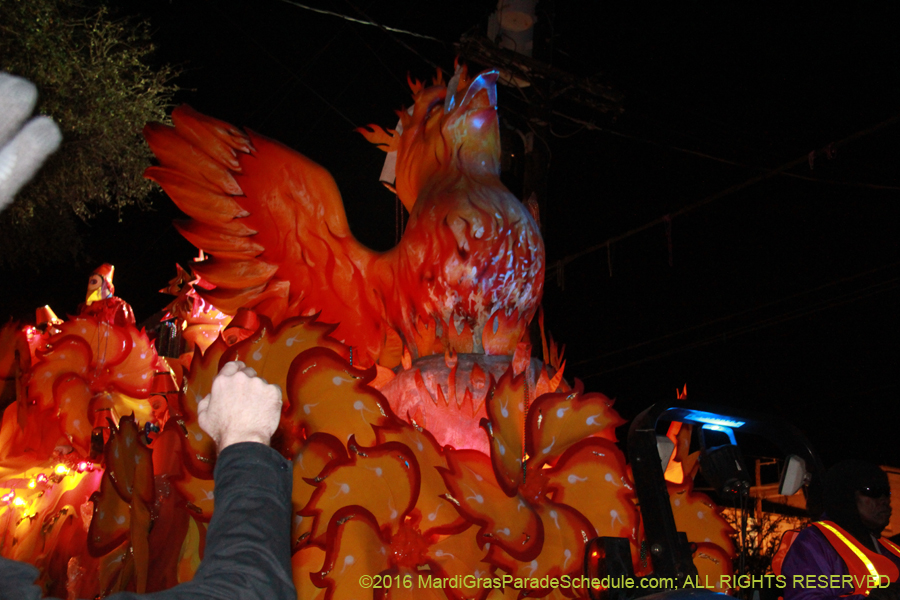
[425, 436]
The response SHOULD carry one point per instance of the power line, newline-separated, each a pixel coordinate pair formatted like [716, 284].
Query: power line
[377, 55]
[290, 71]
[743, 330]
[361, 22]
[829, 303]
[296, 76]
[584, 124]
[718, 320]
[593, 127]
[388, 30]
[860, 184]
[560, 264]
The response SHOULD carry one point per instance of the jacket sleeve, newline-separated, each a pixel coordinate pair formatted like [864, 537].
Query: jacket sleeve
[17, 581]
[810, 557]
[247, 545]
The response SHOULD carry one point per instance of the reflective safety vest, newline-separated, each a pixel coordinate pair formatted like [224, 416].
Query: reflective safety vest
[866, 567]
[786, 540]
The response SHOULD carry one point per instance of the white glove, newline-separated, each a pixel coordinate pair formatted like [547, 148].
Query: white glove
[22, 148]
[241, 407]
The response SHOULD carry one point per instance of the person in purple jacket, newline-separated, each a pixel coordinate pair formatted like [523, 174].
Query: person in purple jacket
[843, 554]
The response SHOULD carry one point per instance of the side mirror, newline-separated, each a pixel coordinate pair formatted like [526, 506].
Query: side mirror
[665, 447]
[793, 476]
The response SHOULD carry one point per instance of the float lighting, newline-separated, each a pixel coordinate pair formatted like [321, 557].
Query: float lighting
[701, 416]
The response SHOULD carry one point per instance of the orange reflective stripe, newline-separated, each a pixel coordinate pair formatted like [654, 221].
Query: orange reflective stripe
[890, 545]
[859, 553]
[786, 541]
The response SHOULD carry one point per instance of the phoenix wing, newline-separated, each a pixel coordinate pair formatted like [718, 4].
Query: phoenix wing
[274, 224]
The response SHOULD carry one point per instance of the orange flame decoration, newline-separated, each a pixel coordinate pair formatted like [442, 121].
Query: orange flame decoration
[444, 447]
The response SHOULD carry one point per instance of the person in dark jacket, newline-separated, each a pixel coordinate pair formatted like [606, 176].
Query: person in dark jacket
[248, 541]
[843, 555]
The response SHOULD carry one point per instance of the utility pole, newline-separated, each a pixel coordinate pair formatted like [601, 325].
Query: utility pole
[516, 46]
[512, 29]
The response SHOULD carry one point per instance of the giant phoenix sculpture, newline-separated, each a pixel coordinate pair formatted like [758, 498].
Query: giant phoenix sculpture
[425, 437]
[467, 275]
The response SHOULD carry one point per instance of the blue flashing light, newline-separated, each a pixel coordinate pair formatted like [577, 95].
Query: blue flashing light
[726, 430]
[701, 416]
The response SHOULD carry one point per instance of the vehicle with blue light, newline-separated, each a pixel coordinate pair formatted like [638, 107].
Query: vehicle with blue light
[717, 431]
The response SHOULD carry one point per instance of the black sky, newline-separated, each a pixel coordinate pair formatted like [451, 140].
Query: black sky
[781, 297]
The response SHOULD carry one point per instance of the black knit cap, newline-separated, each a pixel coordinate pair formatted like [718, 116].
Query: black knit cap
[839, 487]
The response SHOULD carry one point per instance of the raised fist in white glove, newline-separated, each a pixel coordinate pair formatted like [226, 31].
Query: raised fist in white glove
[23, 146]
[241, 407]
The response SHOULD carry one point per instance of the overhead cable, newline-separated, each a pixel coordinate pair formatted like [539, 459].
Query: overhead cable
[290, 71]
[388, 31]
[561, 263]
[866, 292]
[362, 22]
[593, 127]
[745, 312]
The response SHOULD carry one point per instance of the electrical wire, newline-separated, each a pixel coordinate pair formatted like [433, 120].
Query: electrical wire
[861, 294]
[290, 71]
[561, 263]
[859, 184]
[741, 313]
[583, 124]
[593, 127]
[398, 40]
[348, 85]
[377, 55]
[296, 76]
[362, 22]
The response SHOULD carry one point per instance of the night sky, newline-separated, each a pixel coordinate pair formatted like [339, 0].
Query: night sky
[781, 295]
